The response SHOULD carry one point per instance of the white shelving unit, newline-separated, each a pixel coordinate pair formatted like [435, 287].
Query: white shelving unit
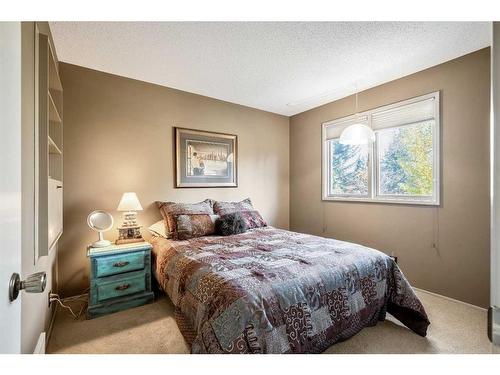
[49, 102]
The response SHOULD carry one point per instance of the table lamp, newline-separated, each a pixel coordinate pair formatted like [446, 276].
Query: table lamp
[129, 231]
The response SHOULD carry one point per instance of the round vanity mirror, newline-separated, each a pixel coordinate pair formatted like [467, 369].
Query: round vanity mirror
[100, 221]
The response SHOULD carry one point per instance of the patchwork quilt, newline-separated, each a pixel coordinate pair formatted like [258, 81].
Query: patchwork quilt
[275, 291]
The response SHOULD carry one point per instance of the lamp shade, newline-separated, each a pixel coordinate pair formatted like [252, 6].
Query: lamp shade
[129, 202]
[357, 134]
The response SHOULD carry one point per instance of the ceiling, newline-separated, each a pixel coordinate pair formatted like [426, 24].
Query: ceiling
[281, 67]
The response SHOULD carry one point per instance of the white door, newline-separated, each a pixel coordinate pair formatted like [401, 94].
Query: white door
[10, 182]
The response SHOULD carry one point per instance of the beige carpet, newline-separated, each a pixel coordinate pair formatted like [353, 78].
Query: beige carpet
[455, 328]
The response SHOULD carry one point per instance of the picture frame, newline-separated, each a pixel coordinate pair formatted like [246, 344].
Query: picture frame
[205, 159]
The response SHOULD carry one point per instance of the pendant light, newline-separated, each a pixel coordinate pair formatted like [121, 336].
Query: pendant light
[357, 133]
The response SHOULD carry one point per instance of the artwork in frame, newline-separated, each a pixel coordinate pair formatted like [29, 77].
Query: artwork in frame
[205, 159]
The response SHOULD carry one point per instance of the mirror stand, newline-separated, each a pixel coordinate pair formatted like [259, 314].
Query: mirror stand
[101, 242]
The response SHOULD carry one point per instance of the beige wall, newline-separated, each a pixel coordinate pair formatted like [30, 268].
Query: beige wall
[459, 267]
[118, 138]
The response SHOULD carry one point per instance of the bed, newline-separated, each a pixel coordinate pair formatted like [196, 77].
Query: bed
[274, 291]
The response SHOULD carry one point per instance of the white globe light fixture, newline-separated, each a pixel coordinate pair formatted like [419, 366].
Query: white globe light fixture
[358, 133]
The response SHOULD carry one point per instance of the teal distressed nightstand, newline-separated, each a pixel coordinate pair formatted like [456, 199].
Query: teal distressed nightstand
[120, 278]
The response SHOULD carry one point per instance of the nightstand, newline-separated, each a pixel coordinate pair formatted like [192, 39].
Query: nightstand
[120, 278]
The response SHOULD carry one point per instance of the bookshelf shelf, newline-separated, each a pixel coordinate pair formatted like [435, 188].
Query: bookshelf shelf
[53, 112]
[53, 148]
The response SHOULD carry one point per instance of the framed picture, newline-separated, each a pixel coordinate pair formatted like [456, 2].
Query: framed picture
[205, 159]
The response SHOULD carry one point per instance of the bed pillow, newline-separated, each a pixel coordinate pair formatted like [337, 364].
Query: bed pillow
[170, 210]
[158, 229]
[230, 224]
[245, 208]
[194, 225]
[223, 208]
[253, 219]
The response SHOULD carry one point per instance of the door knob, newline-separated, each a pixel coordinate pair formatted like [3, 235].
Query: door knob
[34, 283]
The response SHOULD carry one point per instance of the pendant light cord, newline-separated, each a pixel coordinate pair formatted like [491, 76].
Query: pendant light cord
[357, 108]
[435, 240]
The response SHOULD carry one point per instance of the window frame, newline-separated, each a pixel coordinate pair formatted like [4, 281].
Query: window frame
[373, 166]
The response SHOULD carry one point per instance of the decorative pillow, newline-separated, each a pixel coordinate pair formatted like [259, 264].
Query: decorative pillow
[223, 208]
[158, 229]
[230, 224]
[253, 219]
[194, 225]
[170, 210]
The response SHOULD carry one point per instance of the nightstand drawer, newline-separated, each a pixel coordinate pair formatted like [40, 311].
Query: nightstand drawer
[120, 287]
[115, 264]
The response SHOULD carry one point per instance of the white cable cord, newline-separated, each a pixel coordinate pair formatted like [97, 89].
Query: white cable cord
[81, 297]
[75, 316]
[54, 297]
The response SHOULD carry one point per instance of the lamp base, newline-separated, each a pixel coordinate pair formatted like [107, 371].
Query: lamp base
[129, 235]
[129, 219]
[101, 243]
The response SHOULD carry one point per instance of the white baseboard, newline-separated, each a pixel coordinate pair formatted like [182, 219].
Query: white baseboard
[450, 299]
[40, 345]
[51, 324]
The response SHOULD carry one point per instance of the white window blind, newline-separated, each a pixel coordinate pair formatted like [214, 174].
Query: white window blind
[412, 113]
[334, 130]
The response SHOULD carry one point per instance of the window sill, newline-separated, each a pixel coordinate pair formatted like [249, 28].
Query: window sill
[409, 202]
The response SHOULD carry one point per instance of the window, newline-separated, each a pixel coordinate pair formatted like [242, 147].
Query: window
[401, 166]
[349, 169]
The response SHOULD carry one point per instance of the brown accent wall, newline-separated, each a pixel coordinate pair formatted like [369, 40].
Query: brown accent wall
[459, 266]
[118, 138]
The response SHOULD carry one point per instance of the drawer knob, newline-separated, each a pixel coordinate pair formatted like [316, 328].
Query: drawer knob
[120, 264]
[122, 287]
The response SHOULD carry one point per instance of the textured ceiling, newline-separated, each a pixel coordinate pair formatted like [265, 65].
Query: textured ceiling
[281, 67]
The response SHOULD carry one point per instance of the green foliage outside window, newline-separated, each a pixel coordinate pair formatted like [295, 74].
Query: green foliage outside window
[406, 163]
[349, 173]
